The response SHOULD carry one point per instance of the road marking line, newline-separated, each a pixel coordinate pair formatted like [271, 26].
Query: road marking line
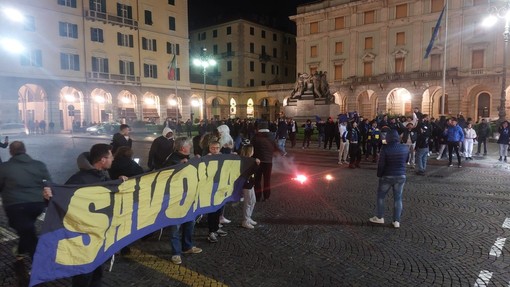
[497, 247]
[6, 235]
[176, 272]
[483, 278]
[506, 224]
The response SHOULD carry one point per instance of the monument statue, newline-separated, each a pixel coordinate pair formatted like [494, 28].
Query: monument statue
[316, 85]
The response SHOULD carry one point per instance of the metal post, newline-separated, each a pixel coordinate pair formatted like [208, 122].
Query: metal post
[204, 112]
[502, 103]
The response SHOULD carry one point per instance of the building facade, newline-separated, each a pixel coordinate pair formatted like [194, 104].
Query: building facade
[373, 52]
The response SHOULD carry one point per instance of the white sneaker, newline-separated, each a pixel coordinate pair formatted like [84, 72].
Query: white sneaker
[223, 220]
[252, 222]
[376, 219]
[438, 158]
[176, 259]
[396, 224]
[247, 225]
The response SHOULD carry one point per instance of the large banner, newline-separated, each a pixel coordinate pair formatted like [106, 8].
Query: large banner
[86, 224]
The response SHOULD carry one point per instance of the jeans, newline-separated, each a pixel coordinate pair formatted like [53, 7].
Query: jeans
[281, 144]
[22, 218]
[421, 158]
[184, 242]
[385, 184]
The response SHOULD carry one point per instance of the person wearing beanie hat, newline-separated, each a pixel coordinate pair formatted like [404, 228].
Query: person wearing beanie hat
[391, 170]
[160, 149]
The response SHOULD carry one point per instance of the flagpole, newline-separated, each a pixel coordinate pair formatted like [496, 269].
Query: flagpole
[444, 59]
[175, 82]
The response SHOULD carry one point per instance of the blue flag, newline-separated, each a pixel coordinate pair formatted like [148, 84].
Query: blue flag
[434, 34]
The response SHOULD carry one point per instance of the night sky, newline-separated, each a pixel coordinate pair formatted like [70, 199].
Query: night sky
[273, 13]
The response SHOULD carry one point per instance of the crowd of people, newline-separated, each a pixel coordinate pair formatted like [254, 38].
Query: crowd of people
[393, 143]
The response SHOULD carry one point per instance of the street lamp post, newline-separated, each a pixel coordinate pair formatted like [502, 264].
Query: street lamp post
[204, 62]
[502, 13]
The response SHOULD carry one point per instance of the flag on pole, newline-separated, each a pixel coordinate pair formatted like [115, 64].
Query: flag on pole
[434, 34]
[171, 68]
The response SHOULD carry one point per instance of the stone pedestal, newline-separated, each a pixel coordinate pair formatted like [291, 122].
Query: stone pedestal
[308, 107]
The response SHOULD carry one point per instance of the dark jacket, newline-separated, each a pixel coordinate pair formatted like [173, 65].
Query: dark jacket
[281, 130]
[393, 156]
[21, 180]
[160, 149]
[87, 174]
[124, 166]
[483, 130]
[119, 140]
[174, 159]
[264, 147]
[504, 135]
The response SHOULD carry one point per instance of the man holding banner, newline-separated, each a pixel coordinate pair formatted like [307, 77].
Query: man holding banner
[100, 159]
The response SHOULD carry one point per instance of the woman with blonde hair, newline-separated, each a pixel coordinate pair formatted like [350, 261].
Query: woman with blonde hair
[248, 189]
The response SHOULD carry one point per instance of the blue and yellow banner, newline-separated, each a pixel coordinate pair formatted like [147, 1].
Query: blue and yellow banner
[86, 224]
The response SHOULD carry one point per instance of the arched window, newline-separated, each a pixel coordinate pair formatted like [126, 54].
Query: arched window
[215, 103]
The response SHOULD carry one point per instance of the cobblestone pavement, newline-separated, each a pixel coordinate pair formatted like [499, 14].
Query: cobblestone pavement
[453, 232]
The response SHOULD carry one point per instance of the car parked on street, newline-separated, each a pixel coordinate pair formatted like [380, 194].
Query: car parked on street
[13, 129]
[108, 128]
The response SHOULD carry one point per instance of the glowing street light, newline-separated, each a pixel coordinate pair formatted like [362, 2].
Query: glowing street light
[14, 15]
[204, 62]
[12, 45]
[173, 103]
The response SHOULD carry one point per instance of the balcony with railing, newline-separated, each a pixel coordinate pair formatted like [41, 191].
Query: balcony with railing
[400, 77]
[264, 57]
[111, 19]
[114, 78]
[228, 54]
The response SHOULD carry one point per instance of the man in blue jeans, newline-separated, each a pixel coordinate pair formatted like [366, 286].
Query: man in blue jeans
[391, 170]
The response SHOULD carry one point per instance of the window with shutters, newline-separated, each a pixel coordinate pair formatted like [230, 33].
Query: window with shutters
[400, 38]
[172, 48]
[149, 44]
[96, 35]
[338, 72]
[68, 3]
[369, 43]
[148, 17]
[367, 69]
[339, 47]
[477, 59]
[68, 30]
[435, 62]
[124, 11]
[31, 58]
[314, 27]
[339, 23]
[400, 64]
[436, 5]
[126, 68]
[313, 51]
[69, 62]
[150, 71]
[401, 11]
[124, 40]
[100, 65]
[369, 17]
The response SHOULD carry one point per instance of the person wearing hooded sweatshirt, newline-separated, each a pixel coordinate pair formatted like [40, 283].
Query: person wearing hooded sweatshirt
[93, 167]
[160, 149]
[21, 183]
[391, 170]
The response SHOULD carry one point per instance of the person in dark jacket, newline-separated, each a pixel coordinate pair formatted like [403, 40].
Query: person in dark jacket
[21, 183]
[282, 134]
[504, 140]
[93, 169]
[391, 170]
[160, 149]
[353, 136]
[422, 148]
[330, 128]
[455, 138]
[123, 164]
[181, 238]
[263, 149]
[4, 145]
[121, 138]
[483, 132]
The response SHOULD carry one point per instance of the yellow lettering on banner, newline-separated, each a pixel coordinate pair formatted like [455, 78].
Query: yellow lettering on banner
[82, 217]
[122, 213]
[230, 171]
[188, 174]
[149, 199]
[206, 173]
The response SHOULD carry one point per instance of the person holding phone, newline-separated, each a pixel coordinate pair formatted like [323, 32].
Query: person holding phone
[4, 145]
